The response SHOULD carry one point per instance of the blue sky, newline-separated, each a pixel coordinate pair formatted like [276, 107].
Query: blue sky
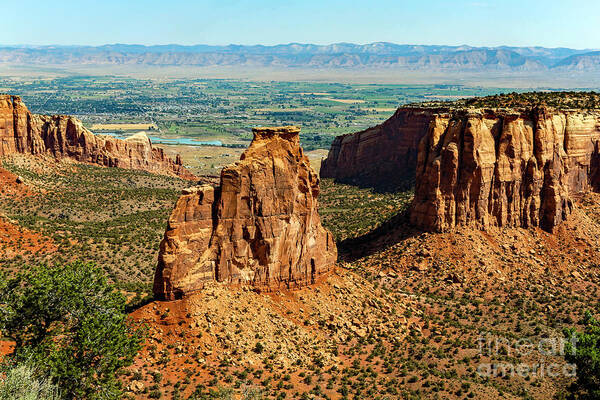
[550, 23]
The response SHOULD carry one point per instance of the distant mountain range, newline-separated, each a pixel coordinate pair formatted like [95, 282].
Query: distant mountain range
[339, 55]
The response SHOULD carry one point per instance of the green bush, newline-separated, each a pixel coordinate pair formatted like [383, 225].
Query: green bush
[71, 323]
[20, 382]
[586, 356]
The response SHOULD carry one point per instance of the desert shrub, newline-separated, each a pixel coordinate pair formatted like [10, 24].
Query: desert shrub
[20, 382]
[252, 393]
[247, 393]
[71, 323]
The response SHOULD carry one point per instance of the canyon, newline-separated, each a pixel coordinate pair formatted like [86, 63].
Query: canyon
[260, 227]
[518, 167]
[65, 137]
[249, 260]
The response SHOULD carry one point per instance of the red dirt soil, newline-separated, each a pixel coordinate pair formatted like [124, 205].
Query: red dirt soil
[191, 339]
[15, 240]
[10, 187]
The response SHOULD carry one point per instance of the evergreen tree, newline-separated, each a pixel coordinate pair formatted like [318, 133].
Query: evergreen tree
[71, 323]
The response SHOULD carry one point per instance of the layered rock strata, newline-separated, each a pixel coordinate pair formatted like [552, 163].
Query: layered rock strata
[60, 136]
[501, 167]
[505, 167]
[260, 227]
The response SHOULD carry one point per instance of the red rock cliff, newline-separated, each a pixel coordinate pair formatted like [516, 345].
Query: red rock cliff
[379, 156]
[65, 137]
[504, 168]
[260, 227]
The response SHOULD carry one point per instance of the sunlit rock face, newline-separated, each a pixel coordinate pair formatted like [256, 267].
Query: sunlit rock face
[519, 168]
[259, 228]
[488, 167]
[61, 136]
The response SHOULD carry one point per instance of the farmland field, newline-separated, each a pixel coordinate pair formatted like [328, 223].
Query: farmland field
[224, 109]
[209, 121]
[124, 127]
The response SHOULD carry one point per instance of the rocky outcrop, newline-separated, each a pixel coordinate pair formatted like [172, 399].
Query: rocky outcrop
[518, 168]
[502, 167]
[60, 136]
[381, 156]
[260, 227]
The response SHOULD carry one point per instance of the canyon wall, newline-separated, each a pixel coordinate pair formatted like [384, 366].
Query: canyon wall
[501, 167]
[60, 136]
[381, 156]
[505, 167]
[260, 227]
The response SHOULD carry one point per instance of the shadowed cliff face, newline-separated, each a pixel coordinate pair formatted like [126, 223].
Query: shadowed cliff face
[381, 156]
[260, 227]
[505, 168]
[60, 136]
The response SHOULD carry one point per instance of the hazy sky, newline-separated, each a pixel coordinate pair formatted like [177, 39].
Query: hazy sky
[550, 23]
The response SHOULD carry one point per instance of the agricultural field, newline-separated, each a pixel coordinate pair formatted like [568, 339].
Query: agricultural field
[225, 110]
[124, 127]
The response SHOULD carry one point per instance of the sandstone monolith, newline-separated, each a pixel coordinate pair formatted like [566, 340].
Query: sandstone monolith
[260, 227]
